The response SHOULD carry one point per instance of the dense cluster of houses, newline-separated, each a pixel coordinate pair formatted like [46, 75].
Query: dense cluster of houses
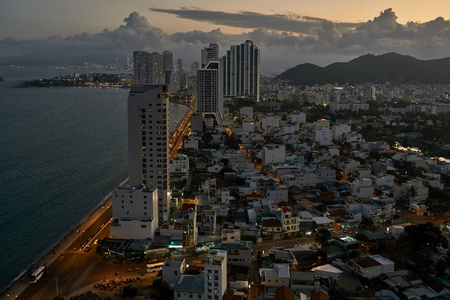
[289, 178]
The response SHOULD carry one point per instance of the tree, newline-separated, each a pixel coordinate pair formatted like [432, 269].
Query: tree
[322, 236]
[411, 193]
[422, 236]
[366, 223]
[130, 290]
[163, 290]
[207, 137]
[259, 259]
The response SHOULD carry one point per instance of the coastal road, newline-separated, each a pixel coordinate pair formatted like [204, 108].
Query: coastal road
[84, 236]
[70, 270]
[176, 140]
[68, 253]
[76, 270]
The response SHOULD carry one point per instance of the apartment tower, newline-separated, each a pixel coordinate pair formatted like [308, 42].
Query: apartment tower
[148, 142]
[210, 52]
[167, 61]
[210, 90]
[241, 72]
[148, 67]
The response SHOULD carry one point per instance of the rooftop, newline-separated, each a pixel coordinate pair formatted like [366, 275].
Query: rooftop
[367, 262]
[193, 283]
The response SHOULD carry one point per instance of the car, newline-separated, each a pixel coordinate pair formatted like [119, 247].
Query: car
[87, 248]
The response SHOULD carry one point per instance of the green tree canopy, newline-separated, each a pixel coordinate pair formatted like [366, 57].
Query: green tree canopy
[422, 236]
[130, 290]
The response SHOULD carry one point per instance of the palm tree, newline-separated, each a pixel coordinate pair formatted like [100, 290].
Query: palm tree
[411, 193]
[321, 237]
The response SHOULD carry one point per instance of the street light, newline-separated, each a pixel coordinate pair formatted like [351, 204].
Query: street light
[81, 233]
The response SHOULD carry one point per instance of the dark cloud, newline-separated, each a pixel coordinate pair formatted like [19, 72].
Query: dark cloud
[311, 40]
[247, 19]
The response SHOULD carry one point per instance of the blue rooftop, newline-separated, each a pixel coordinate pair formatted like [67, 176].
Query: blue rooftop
[193, 283]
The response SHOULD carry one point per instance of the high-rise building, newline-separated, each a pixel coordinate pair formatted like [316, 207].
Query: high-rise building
[210, 52]
[175, 82]
[167, 62]
[148, 67]
[215, 274]
[141, 67]
[210, 90]
[148, 142]
[241, 71]
[194, 66]
[180, 65]
[156, 68]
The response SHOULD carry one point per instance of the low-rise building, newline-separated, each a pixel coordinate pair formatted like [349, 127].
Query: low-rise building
[190, 287]
[135, 212]
[231, 235]
[239, 253]
[366, 267]
[278, 276]
[172, 270]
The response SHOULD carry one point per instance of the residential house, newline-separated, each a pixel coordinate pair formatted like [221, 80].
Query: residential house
[239, 253]
[190, 287]
[172, 270]
[277, 276]
[272, 227]
[231, 235]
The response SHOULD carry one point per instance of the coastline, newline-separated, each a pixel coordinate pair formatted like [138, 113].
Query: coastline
[20, 283]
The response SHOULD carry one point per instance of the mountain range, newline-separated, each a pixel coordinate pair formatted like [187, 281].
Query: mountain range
[390, 67]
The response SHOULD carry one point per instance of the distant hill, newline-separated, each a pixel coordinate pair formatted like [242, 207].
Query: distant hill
[390, 67]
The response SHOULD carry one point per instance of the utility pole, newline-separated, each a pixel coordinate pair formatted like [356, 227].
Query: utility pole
[273, 238]
[123, 252]
[57, 290]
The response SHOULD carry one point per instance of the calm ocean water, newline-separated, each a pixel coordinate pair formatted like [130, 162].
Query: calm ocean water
[62, 150]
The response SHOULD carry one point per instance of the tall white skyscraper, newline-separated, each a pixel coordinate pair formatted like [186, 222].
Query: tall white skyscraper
[148, 142]
[241, 71]
[210, 90]
[209, 53]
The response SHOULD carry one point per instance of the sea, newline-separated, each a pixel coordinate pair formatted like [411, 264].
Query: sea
[62, 150]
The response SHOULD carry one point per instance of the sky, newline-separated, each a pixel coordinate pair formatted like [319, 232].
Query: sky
[288, 32]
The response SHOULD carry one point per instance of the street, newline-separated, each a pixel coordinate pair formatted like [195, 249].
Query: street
[75, 270]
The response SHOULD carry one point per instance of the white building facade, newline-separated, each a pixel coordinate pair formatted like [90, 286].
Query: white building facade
[215, 274]
[135, 212]
[148, 145]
